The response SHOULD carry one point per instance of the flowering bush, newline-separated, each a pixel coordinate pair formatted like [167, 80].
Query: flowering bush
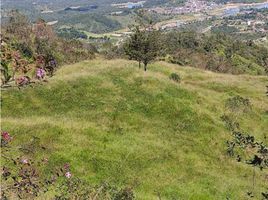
[40, 73]
[5, 136]
[34, 49]
[68, 174]
[51, 65]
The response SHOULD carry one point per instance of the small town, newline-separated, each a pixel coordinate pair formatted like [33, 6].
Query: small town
[232, 16]
[191, 6]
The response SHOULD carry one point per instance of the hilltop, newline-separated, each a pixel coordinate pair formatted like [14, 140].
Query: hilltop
[113, 122]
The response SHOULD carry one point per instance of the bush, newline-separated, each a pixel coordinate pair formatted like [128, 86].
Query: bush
[111, 51]
[175, 77]
[217, 52]
[24, 49]
[238, 103]
[35, 47]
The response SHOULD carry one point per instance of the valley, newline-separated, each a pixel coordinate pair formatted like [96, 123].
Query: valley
[107, 16]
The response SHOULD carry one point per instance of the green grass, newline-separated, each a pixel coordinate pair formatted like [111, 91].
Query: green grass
[113, 122]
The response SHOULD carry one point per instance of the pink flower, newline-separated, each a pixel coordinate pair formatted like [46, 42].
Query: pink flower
[24, 161]
[24, 80]
[40, 73]
[5, 136]
[68, 174]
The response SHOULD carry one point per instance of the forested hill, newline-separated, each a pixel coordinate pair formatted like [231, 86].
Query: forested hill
[216, 52]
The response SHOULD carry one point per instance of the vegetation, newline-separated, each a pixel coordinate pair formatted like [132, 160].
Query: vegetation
[26, 177]
[217, 52]
[95, 23]
[28, 51]
[224, 29]
[175, 77]
[244, 146]
[142, 46]
[102, 129]
[71, 33]
[113, 123]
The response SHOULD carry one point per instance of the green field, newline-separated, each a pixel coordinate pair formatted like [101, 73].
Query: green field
[113, 122]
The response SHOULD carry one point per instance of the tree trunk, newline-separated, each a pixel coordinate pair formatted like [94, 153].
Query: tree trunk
[139, 64]
[145, 67]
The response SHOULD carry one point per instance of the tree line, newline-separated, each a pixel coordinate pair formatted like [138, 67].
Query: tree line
[216, 52]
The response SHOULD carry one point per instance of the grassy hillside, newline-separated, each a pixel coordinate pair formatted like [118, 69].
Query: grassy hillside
[113, 122]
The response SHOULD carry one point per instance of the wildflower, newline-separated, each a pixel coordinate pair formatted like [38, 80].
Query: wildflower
[24, 80]
[24, 161]
[68, 174]
[53, 62]
[40, 73]
[5, 136]
[66, 166]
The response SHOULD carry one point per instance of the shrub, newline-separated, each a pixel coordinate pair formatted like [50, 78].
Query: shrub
[175, 77]
[23, 48]
[238, 103]
[26, 48]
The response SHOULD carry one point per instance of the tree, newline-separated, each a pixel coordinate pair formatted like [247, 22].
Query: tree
[149, 47]
[132, 46]
[144, 19]
[142, 46]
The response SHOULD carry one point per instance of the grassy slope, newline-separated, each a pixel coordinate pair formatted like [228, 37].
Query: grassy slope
[114, 122]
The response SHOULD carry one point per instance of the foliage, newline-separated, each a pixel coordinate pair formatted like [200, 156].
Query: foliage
[216, 52]
[5, 72]
[256, 153]
[110, 50]
[27, 48]
[71, 33]
[19, 26]
[224, 29]
[244, 146]
[95, 23]
[133, 46]
[175, 77]
[142, 46]
[238, 103]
